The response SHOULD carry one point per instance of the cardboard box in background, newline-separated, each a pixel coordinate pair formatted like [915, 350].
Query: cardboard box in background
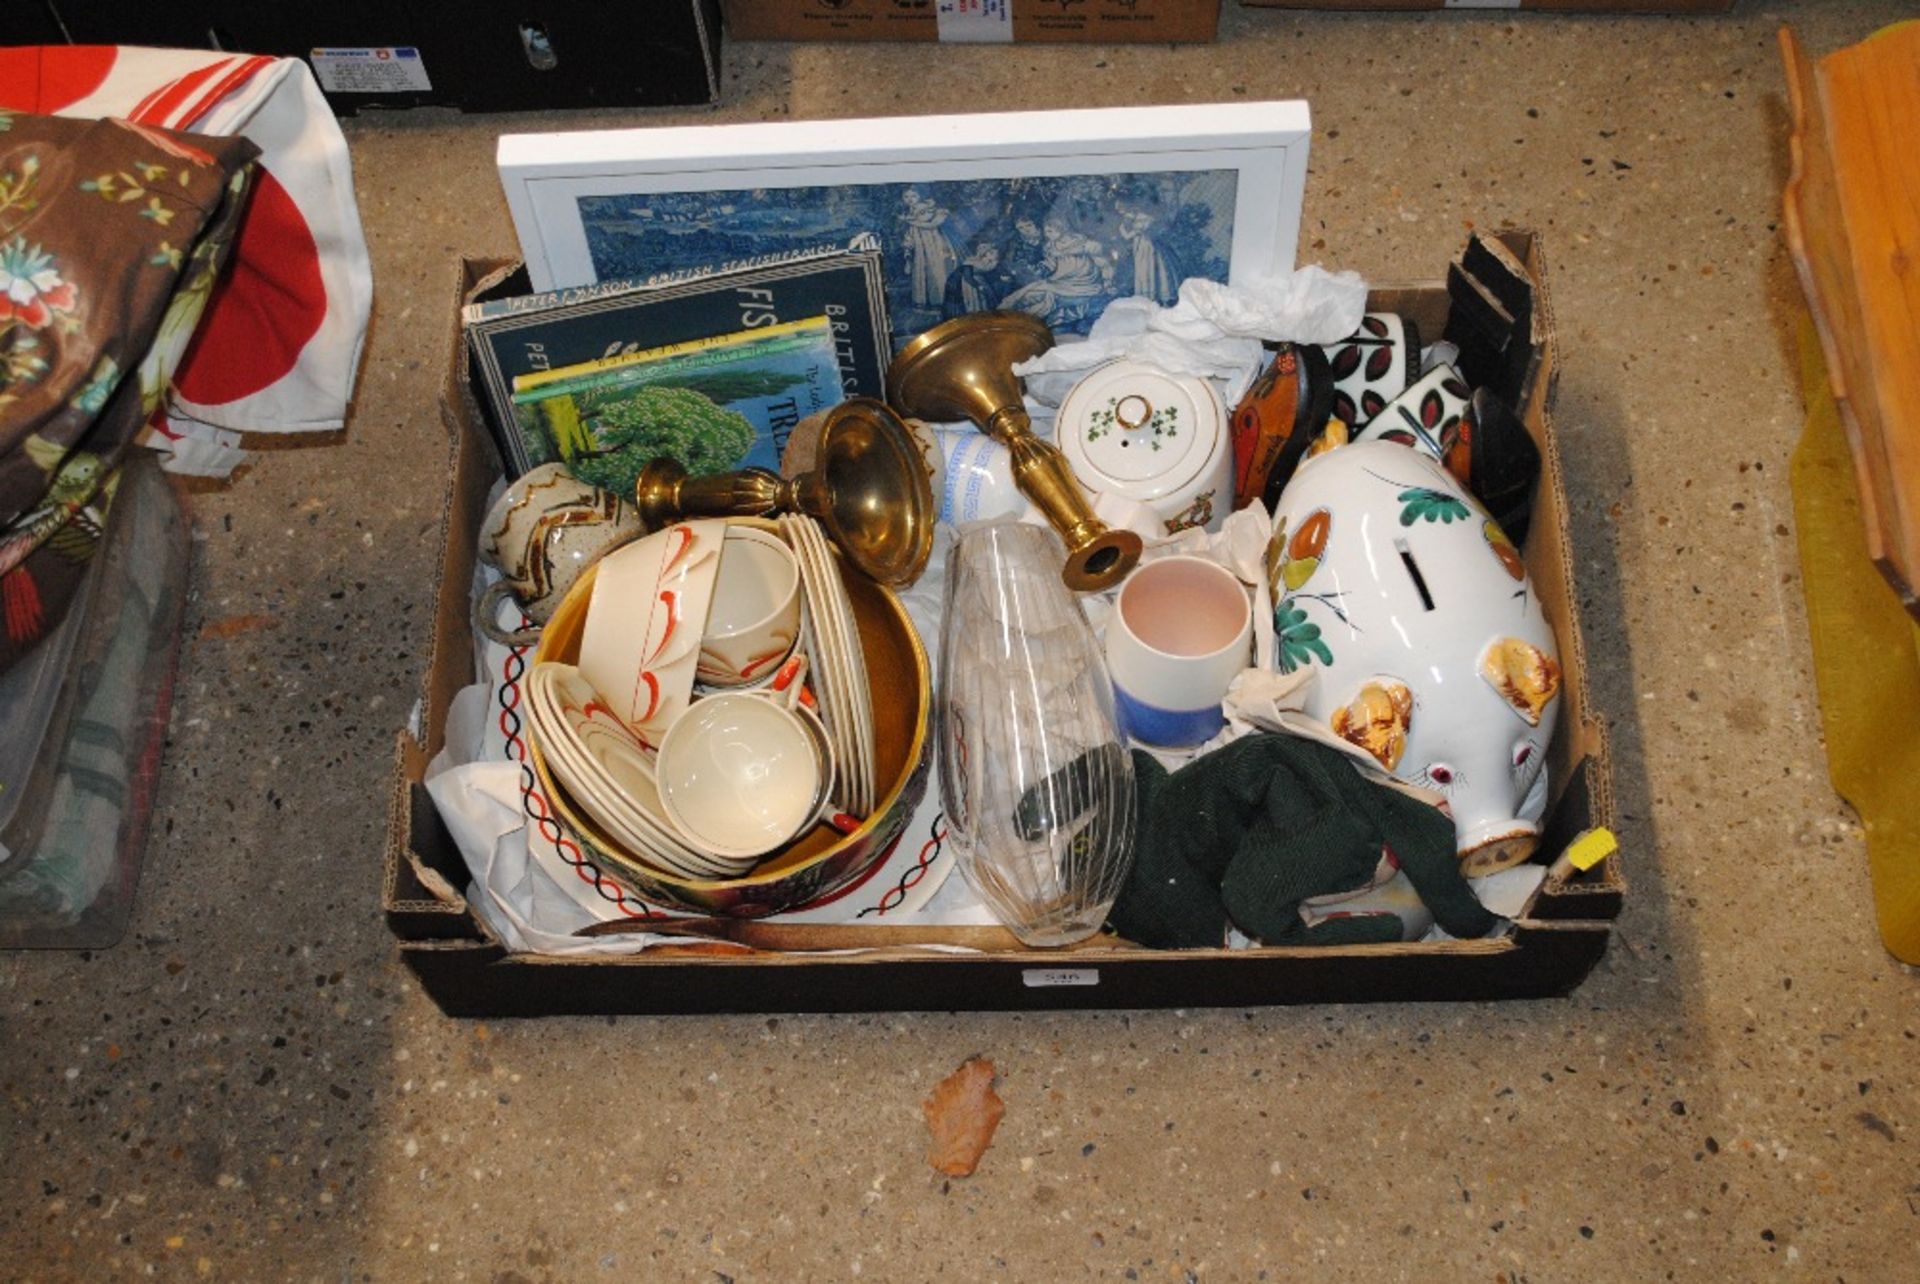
[1551, 6]
[477, 55]
[1557, 940]
[987, 21]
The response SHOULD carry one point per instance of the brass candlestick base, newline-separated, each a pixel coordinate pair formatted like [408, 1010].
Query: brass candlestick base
[963, 369]
[869, 489]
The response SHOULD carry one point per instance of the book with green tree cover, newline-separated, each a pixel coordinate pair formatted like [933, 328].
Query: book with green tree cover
[713, 404]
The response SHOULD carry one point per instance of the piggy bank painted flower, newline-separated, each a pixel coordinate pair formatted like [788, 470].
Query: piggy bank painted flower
[1435, 655]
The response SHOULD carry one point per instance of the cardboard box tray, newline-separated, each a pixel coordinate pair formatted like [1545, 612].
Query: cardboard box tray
[1555, 943]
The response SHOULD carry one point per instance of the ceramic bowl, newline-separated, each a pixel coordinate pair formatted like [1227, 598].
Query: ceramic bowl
[645, 609]
[738, 775]
[822, 861]
[754, 618]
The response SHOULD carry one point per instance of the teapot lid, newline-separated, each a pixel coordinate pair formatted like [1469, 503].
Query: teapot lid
[1133, 428]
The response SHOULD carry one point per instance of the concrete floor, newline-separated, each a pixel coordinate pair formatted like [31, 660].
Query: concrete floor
[250, 1088]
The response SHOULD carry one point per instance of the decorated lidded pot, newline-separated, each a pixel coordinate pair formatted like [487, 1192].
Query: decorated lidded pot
[1434, 653]
[1133, 429]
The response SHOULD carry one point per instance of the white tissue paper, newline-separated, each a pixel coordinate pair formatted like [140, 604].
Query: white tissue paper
[1214, 330]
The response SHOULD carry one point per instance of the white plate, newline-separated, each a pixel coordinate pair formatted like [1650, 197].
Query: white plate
[853, 659]
[823, 697]
[845, 662]
[575, 770]
[841, 647]
[583, 787]
[567, 759]
[830, 627]
[823, 639]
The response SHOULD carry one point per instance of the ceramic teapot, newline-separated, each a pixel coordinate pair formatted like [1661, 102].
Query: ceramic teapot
[1436, 657]
[1133, 429]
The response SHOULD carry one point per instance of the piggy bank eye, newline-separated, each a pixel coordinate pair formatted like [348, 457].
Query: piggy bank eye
[1523, 754]
[1440, 774]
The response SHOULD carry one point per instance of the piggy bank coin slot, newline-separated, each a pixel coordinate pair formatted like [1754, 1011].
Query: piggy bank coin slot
[1413, 572]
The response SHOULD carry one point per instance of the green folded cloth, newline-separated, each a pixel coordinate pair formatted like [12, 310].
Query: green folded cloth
[1245, 834]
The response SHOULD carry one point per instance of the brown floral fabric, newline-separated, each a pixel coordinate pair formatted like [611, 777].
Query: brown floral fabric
[112, 235]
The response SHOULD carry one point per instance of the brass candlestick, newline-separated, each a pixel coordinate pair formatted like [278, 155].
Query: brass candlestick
[868, 488]
[963, 369]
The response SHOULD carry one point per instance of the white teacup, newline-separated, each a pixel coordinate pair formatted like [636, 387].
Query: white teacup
[641, 641]
[739, 774]
[1182, 627]
[787, 687]
[543, 531]
[754, 618]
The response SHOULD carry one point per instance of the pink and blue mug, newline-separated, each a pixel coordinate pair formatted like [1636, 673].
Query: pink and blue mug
[1182, 627]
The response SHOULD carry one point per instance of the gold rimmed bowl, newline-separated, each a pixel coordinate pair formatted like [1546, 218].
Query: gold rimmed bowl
[824, 860]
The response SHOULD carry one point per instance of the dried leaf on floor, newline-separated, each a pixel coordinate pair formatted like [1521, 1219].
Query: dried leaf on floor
[962, 1112]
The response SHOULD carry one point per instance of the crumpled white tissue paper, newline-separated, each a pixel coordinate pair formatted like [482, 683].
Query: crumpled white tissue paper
[1214, 330]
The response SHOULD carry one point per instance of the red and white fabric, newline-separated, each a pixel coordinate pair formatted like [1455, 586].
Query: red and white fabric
[279, 345]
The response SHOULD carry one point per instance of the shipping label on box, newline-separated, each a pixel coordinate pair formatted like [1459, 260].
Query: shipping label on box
[981, 22]
[376, 69]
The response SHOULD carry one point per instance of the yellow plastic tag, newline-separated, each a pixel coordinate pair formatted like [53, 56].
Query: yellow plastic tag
[1592, 847]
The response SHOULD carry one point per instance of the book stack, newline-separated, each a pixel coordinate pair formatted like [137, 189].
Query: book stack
[713, 367]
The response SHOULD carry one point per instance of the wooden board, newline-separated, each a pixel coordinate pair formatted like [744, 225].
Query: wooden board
[1852, 214]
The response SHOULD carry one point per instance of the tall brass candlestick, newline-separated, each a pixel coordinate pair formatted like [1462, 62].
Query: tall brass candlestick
[963, 369]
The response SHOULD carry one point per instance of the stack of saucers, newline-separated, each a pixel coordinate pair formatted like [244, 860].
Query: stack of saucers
[831, 639]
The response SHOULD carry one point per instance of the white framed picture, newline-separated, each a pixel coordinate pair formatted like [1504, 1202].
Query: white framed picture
[1055, 213]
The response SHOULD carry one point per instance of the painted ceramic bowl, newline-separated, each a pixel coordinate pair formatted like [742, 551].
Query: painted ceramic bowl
[822, 861]
[1435, 654]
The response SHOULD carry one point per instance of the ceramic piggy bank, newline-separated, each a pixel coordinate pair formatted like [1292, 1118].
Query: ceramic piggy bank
[1435, 655]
